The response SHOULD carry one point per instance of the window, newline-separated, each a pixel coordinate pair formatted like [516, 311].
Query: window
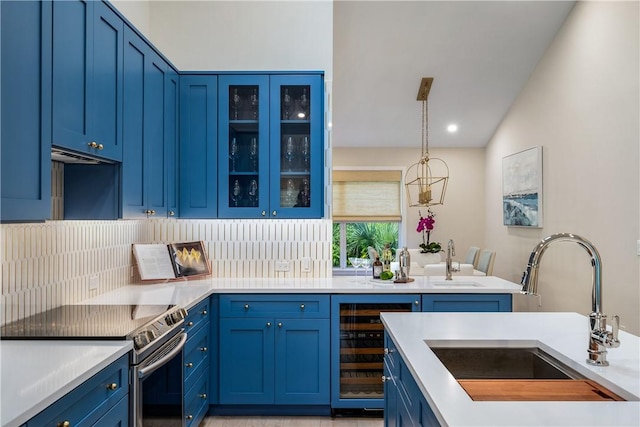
[366, 212]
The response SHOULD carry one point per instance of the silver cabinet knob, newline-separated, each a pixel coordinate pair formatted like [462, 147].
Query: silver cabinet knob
[172, 213]
[92, 144]
[263, 213]
[112, 386]
[100, 147]
[189, 417]
[189, 323]
[301, 306]
[246, 306]
[203, 395]
[268, 323]
[188, 365]
[274, 213]
[416, 302]
[388, 350]
[385, 379]
[64, 424]
[204, 349]
[279, 324]
[204, 312]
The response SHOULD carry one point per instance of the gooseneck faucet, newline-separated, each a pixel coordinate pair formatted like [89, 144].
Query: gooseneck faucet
[451, 251]
[599, 338]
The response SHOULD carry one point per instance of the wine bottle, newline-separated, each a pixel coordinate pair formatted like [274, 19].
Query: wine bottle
[377, 268]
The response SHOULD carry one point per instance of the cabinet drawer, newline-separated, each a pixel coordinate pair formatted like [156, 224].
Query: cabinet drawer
[284, 306]
[196, 400]
[196, 351]
[91, 400]
[467, 302]
[198, 315]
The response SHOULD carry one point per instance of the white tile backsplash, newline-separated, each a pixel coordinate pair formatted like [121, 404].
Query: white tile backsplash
[45, 265]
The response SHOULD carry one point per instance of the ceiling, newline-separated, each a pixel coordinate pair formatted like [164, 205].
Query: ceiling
[479, 53]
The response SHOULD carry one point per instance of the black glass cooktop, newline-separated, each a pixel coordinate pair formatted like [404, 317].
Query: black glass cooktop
[84, 322]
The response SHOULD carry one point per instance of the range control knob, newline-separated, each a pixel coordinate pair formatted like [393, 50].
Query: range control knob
[176, 316]
[143, 338]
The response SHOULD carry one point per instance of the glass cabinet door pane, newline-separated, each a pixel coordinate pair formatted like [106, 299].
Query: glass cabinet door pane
[295, 146]
[243, 146]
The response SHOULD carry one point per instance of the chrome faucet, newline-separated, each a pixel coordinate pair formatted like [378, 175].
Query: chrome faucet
[599, 338]
[451, 251]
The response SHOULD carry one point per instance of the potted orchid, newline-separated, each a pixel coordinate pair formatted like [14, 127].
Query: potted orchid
[425, 226]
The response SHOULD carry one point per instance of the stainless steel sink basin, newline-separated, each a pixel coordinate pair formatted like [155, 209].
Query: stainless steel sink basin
[503, 363]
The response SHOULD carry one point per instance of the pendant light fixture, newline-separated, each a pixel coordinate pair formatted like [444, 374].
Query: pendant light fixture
[426, 180]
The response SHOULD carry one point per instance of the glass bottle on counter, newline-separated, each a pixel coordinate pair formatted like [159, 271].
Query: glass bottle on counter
[387, 257]
[377, 268]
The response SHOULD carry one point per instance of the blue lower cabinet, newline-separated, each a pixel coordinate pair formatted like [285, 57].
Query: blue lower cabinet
[404, 403]
[102, 400]
[466, 302]
[271, 360]
[196, 403]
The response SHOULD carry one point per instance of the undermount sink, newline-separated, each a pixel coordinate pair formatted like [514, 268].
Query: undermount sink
[524, 374]
[502, 363]
[454, 283]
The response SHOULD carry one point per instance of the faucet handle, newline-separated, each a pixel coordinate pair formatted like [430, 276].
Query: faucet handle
[615, 325]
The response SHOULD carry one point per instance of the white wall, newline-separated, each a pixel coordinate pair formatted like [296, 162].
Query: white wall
[582, 105]
[461, 217]
[137, 12]
[244, 35]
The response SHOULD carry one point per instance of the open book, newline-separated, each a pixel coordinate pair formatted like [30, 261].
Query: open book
[172, 261]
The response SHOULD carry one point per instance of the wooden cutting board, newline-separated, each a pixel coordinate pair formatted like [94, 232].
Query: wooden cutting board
[540, 390]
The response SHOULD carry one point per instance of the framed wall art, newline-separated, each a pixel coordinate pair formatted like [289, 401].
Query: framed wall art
[522, 188]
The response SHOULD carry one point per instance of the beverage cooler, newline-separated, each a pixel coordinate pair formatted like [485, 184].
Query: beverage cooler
[357, 345]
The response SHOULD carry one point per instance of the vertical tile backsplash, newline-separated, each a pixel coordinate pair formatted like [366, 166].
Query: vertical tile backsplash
[45, 265]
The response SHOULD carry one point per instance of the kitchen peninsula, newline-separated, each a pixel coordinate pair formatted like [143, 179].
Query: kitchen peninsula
[407, 329]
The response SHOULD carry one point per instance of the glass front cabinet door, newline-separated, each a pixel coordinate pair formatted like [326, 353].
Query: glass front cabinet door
[271, 146]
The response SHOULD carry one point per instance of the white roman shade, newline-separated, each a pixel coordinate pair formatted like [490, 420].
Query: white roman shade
[367, 196]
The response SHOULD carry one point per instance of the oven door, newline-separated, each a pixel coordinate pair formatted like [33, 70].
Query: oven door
[157, 386]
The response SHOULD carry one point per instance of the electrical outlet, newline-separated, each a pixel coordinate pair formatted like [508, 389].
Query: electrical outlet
[282, 265]
[93, 283]
[306, 265]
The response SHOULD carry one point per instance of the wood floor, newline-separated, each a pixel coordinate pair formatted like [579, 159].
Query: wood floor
[220, 421]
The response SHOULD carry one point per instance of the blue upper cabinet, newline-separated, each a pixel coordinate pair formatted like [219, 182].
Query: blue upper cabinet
[198, 146]
[297, 146]
[144, 176]
[171, 135]
[243, 146]
[87, 78]
[270, 145]
[26, 110]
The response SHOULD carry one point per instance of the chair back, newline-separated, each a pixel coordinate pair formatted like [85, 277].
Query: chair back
[472, 256]
[485, 262]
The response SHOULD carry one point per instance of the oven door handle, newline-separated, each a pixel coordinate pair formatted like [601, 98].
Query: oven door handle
[158, 363]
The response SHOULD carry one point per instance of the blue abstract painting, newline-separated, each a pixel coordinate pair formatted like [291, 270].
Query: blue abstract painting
[522, 188]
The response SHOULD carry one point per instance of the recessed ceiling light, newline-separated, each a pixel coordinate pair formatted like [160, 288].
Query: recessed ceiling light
[452, 128]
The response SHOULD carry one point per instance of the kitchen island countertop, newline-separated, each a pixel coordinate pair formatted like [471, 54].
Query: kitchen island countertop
[562, 335]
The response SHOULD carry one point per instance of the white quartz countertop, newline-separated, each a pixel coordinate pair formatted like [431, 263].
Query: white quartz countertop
[186, 293]
[562, 335]
[34, 374]
[37, 373]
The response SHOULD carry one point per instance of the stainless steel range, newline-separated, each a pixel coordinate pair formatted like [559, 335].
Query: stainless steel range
[157, 334]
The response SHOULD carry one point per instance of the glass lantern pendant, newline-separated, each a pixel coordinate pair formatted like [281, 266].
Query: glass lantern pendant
[426, 180]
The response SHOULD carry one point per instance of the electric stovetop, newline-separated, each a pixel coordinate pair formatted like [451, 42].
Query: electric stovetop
[111, 322]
